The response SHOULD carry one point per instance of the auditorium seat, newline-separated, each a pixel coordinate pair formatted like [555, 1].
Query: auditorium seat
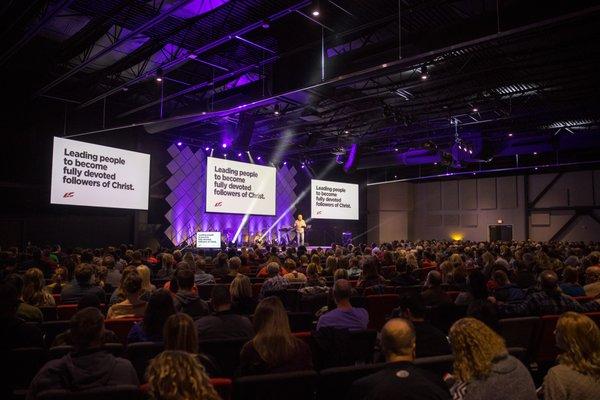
[121, 326]
[205, 291]
[223, 386]
[49, 313]
[546, 345]
[256, 289]
[379, 308]
[225, 353]
[22, 365]
[595, 316]
[140, 355]
[64, 312]
[409, 290]
[119, 392]
[583, 299]
[520, 332]
[51, 329]
[340, 347]
[56, 297]
[314, 302]
[299, 385]
[335, 383]
[301, 321]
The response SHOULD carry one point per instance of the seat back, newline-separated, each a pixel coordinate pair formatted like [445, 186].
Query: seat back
[313, 302]
[49, 313]
[335, 383]
[546, 345]
[205, 291]
[22, 365]
[140, 355]
[595, 316]
[438, 364]
[223, 386]
[51, 329]
[121, 326]
[289, 386]
[118, 392]
[379, 308]
[256, 289]
[520, 332]
[341, 347]
[301, 321]
[116, 349]
[64, 312]
[225, 353]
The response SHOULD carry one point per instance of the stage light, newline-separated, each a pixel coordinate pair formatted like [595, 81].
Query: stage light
[459, 147]
[475, 109]
[159, 75]
[510, 135]
[302, 166]
[206, 148]
[470, 151]
[396, 149]
[535, 153]
[276, 109]
[424, 74]
[179, 144]
[285, 163]
[224, 155]
[224, 145]
[266, 24]
[239, 154]
[258, 158]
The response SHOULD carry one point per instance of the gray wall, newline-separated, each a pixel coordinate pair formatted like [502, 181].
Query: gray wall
[465, 208]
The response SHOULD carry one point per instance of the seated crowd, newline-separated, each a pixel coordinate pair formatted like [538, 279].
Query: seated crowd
[182, 299]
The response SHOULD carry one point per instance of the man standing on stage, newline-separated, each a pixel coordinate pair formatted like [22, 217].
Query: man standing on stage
[299, 226]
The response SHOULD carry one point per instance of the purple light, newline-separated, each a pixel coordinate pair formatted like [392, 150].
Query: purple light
[285, 163]
[302, 165]
[179, 144]
[239, 154]
[224, 145]
[258, 158]
[206, 149]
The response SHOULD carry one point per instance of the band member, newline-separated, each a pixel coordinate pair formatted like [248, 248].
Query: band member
[299, 226]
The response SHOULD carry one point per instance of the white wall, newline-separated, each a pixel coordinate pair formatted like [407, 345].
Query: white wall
[465, 208]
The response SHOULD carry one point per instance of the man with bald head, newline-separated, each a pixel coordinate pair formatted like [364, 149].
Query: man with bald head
[344, 316]
[592, 280]
[548, 301]
[400, 380]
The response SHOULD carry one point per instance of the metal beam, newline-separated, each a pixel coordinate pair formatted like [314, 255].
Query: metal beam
[31, 33]
[545, 190]
[156, 20]
[564, 228]
[181, 60]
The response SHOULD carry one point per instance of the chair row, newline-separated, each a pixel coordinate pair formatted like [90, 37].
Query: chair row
[333, 383]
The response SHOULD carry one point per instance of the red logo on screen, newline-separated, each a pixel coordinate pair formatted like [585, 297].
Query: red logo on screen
[69, 194]
[218, 204]
[319, 212]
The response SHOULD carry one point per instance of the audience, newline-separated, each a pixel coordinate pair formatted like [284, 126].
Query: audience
[401, 379]
[223, 323]
[34, 289]
[273, 349]
[275, 282]
[242, 301]
[577, 375]
[132, 306]
[592, 280]
[504, 290]
[89, 366]
[293, 275]
[344, 316]
[150, 329]
[25, 311]
[483, 369]
[59, 279]
[81, 285]
[570, 284]
[144, 272]
[14, 331]
[119, 294]
[186, 299]
[433, 294]
[113, 277]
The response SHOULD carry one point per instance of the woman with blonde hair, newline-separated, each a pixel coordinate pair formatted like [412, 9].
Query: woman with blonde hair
[144, 272]
[274, 349]
[240, 290]
[577, 375]
[482, 366]
[178, 375]
[34, 289]
[59, 279]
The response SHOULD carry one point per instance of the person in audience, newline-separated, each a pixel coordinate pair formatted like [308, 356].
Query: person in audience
[401, 379]
[59, 279]
[66, 338]
[186, 300]
[312, 277]
[200, 276]
[293, 276]
[354, 270]
[234, 265]
[167, 263]
[113, 277]
[264, 271]
[549, 301]
[577, 375]
[273, 349]
[483, 369]
[34, 289]
[275, 282]
[504, 290]
[344, 316]
[431, 341]
[25, 311]
[81, 285]
[144, 273]
[150, 329]
[570, 284]
[223, 323]
[167, 382]
[240, 291]
[433, 294]
[119, 294]
[132, 306]
[370, 276]
[592, 280]
[88, 366]
[403, 276]
[14, 331]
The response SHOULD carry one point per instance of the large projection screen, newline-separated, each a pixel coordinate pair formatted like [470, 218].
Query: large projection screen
[240, 188]
[333, 200]
[85, 174]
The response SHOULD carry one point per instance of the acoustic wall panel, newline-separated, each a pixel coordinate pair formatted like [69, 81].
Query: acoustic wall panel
[450, 195]
[486, 193]
[451, 220]
[469, 220]
[467, 193]
[579, 195]
[433, 198]
[507, 192]
[433, 220]
[540, 219]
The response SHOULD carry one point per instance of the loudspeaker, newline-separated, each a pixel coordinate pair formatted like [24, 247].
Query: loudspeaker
[245, 130]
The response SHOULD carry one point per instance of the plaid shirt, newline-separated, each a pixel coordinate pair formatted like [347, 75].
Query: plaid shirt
[273, 284]
[540, 303]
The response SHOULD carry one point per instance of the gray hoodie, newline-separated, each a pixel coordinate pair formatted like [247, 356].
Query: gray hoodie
[86, 370]
[509, 380]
